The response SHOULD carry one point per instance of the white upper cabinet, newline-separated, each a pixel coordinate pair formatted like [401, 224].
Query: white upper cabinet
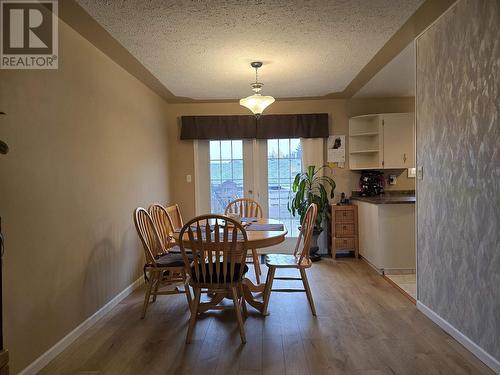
[399, 141]
[382, 141]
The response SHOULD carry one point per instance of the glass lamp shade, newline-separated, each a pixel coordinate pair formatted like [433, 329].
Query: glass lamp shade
[257, 103]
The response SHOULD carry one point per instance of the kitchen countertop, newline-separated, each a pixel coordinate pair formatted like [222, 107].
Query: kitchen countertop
[387, 198]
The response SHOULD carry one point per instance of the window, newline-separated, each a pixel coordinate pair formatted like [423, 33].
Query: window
[226, 173]
[284, 161]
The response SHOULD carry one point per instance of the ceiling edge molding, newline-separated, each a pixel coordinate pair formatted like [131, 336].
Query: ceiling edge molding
[424, 16]
[79, 20]
[178, 100]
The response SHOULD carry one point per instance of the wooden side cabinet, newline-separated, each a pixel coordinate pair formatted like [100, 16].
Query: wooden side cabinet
[344, 229]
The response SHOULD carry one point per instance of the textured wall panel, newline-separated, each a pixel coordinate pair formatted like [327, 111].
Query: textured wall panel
[458, 145]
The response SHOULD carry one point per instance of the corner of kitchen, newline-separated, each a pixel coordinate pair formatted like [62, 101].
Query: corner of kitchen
[377, 223]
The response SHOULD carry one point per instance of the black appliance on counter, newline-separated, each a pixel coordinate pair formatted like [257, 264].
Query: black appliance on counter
[371, 183]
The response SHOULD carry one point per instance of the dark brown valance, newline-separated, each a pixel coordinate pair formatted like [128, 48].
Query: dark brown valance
[314, 125]
[217, 127]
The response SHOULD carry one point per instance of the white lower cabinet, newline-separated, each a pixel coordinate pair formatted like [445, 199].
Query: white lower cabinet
[387, 235]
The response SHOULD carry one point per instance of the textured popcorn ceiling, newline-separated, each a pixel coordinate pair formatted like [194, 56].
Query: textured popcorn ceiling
[397, 78]
[202, 49]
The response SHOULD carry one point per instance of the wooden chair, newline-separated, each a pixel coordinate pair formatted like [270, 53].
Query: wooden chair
[219, 246]
[161, 268]
[174, 213]
[246, 207]
[299, 260]
[163, 224]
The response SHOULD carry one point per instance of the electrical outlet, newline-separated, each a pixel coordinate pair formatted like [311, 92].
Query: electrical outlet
[392, 179]
[188, 178]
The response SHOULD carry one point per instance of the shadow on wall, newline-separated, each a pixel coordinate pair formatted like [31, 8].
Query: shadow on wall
[101, 267]
[111, 259]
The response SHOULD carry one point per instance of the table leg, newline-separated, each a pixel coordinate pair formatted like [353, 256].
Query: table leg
[216, 298]
[248, 289]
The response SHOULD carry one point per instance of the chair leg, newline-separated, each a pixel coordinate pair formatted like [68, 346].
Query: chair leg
[308, 290]
[256, 265]
[149, 286]
[238, 314]
[194, 313]
[157, 286]
[188, 295]
[243, 302]
[267, 290]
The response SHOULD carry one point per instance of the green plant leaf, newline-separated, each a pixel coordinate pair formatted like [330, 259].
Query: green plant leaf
[312, 187]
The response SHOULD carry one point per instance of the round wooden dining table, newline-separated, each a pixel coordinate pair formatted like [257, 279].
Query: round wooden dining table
[257, 239]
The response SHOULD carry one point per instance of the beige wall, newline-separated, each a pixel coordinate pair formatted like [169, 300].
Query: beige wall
[357, 107]
[88, 144]
[339, 110]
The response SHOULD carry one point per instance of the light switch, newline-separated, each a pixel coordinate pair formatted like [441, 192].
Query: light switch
[188, 178]
[420, 173]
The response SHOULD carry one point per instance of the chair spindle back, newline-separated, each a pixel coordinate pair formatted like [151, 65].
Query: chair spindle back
[148, 234]
[219, 247]
[245, 207]
[306, 233]
[174, 213]
[163, 224]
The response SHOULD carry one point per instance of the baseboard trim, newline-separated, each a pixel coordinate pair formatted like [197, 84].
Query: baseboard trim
[377, 270]
[403, 292]
[470, 345]
[67, 340]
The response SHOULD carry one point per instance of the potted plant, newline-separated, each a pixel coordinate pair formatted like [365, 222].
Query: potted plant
[312, 187]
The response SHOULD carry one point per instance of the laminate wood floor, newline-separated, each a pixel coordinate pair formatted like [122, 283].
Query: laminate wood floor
[364, 326]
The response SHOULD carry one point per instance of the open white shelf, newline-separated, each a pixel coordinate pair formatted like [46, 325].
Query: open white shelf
[365, 142]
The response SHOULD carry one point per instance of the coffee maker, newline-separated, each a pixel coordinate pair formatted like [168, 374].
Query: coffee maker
[371, 183]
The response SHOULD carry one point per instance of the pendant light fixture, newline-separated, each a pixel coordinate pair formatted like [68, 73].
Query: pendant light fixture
[257, 103]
